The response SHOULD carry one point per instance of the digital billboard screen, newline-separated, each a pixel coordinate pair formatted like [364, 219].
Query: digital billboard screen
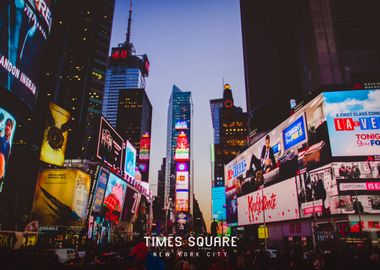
[182, 149]
[7, 131]
[182, 201]
[110, 145]
[131, 205]
[130, 160]
[114, 197]
[61, 197]
[54, 141]
[295, 133]
[100, 189]
[218, 195]
[24, 28]
[144, 147]
[353, 120]
[182, 181]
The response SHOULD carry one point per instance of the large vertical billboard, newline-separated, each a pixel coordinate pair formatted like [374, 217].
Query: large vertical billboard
[182, 201]
[182, 149]
[218, 195]
[278, 202]
[7, 131]
[182, 181]
[114, 197]
[24, 28]
[130, 160]
[353, 119]
[100, 189]
[110, 145]
[54, 141]
[61, 197]
[131, 205]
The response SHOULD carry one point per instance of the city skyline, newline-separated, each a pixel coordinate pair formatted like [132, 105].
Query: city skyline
[214, 36]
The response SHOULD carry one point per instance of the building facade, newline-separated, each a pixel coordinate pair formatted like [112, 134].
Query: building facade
[179, 146]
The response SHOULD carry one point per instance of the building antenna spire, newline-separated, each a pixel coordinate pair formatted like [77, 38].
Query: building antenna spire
[128, 36]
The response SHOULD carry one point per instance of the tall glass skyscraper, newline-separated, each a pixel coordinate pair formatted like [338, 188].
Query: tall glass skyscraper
[180, 115]
[124, 72]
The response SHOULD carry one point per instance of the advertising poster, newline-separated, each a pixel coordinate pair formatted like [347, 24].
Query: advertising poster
[356, 170]
[316, 190]
[182, 201]
[182, 149]
[275, 203]
[131, 205]
[114, 197]
[61, 197]
[7, 131]
[100, 189]
[130, 160]
[218, 195]
[295, 133]
[144, 147]
[24, 28]
[250, 210]
[182, 181]
[280, 201]
[54, 141]
[110, 145]
[353, 119]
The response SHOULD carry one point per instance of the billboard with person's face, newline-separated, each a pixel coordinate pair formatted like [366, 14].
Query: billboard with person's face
[61, 197]
[54, 141]
[24, 28]
[7, 131]
[131, 205]
[353, 119]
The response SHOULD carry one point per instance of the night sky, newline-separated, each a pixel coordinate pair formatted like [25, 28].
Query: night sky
[194, 44]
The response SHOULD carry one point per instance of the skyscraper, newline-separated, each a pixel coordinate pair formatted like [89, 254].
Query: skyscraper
[230, 125]
[74, 68]
[179, 162]
[134, 123]
[299, 48]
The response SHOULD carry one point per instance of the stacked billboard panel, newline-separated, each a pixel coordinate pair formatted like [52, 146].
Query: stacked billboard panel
[340, 125]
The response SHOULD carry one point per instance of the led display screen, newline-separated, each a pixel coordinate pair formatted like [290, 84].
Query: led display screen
[218, 196]
[54, 141]
[61, 197]
[114, 197]
[24, 28]
[110, 145]
[130, 160]
[7, 131]
[353, 119]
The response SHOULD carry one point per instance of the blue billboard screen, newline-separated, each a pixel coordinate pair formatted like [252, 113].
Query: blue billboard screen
[218, 203]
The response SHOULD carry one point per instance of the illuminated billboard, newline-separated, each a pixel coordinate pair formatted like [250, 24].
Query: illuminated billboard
[182, 149]
[277, 203]
[353, 120]
[144, 147]
[130, 160]
[131, 205]
[114, 197]
[180, 125]
[295, 133]
[110, 145]
[182, 201]
[7, 131]
[61, 197]
[100, 190]
[182, 181]
[218, 195]
[54, 141]
[24, 28]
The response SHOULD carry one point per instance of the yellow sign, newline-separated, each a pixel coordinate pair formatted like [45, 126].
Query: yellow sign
[54, 142]
[61, 197]
[263, 232]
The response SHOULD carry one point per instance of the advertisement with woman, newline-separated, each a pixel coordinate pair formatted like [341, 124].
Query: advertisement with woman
[114, 197]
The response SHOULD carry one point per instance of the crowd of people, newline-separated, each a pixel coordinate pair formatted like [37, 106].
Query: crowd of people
[135, 255]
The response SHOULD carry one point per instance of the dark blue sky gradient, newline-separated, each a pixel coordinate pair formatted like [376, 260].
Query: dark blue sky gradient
[193, 44]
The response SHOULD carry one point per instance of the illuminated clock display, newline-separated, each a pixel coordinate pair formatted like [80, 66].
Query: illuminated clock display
[228, 103]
